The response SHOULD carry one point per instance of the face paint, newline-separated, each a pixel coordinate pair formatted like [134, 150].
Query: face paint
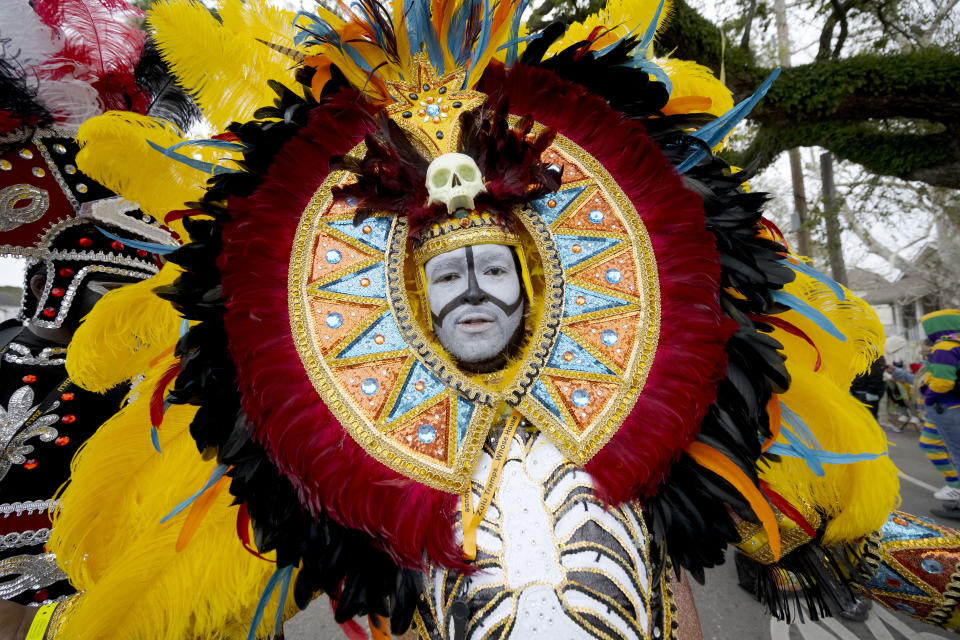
[475, 300]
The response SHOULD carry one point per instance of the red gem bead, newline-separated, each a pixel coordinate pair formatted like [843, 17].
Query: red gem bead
[62, 441]
[68, 419]
[66, 397]
[49, 312]
[57, 292]
[66, 273]
[40, 595]
[142, 253]
[29, 378]
[117, 245]
[893, 582]
[86, 242]
[30, 464]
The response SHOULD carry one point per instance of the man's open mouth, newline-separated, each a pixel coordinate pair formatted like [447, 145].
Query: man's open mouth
[475, 322]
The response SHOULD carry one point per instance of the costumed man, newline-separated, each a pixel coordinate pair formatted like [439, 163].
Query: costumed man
[939, 389]
[479, 336]
[79, 240]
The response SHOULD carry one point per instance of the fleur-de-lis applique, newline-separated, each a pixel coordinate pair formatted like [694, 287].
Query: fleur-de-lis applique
[13, 435]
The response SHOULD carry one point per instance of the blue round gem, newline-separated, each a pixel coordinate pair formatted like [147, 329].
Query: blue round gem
[595, 216]
[931, 566]
[333, 256]
[609, 337]
[426, 434]
[613, 276]
[351, 201]
[580, 397]
[334, 320]
[369, 386]
[432, 110]
[905, 607]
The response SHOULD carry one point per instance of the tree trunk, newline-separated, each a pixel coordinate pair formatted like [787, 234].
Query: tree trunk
[796, 170]
[831, 215]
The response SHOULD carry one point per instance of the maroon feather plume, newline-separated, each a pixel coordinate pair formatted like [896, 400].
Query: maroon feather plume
[102, 45]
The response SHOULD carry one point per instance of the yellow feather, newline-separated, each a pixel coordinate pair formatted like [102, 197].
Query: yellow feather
[115, 153]
[856, 497]
[124, 332]
[690, 79]
[193, 42]
[619, 16]
[109, 539]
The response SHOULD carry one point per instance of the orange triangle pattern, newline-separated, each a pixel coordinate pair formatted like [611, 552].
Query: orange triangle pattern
[911, 559]
[598, 396]
[332, 256]
[625, 326]
[571, 172]
[369, 396]
[581, 221]
[427, 433]
[334, 320]
[623, 264]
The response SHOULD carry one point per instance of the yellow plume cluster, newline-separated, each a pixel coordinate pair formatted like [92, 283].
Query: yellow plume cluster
[108, 537]
[126, 330]
[695, 88]
[116, 154]
[193, 42]
[856, 497]
[613, 22]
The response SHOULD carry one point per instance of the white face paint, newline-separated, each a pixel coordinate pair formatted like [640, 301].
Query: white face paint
[475, 300]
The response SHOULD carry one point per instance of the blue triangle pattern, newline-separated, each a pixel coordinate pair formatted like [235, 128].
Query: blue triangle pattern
[884, 573]
[365, 344]
[350, 284]
[909, 531]
[539, 391]
[582, 360]
[379, 231]
[589, 247]
[464, 414]
[592, 301]
[562, 198]
[409, 397]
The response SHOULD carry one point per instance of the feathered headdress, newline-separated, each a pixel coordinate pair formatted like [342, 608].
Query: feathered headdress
[318, 394]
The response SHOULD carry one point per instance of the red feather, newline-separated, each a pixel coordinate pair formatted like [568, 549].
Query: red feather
[160, 392]
[102, 45]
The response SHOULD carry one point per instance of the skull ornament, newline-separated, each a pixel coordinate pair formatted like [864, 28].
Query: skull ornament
[454, 179]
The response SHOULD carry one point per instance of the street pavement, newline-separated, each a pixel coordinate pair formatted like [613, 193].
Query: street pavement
[729, 613]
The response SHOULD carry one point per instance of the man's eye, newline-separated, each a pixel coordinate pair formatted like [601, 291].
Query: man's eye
[447, 277]
[495, 271]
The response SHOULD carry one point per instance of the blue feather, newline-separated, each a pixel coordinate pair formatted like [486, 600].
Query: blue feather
[152, 247]
[199, 165]
[319, 28]
[639, 49]
[155, 439]
[511, 57]
[816, 275]
[713, 132]
[809, 313]
[377, 31]
[458, 27]
[653, 69]
[420, 32]
[184, 327]
[483, 40]
[803, 444]
[278, 575]
[282, 599]
[218, 473]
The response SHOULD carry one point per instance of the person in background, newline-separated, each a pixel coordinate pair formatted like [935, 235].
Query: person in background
[869, 387]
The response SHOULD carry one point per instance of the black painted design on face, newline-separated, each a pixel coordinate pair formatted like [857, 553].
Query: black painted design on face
[476, 301]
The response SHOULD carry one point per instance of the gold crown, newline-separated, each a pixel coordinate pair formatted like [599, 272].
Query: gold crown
[461, 231]
[428, 107]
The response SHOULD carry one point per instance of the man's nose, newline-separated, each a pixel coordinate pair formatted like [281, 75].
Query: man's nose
[475, 295]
